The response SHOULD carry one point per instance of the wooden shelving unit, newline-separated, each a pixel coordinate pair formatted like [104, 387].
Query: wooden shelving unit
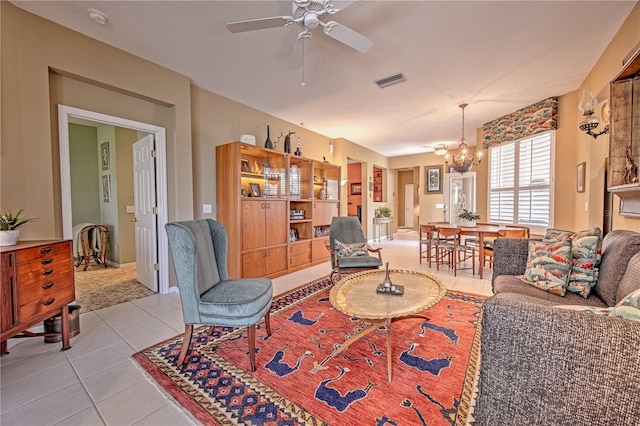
[276, 207]
[377, 184]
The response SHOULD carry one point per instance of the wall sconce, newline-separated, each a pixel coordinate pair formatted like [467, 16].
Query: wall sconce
[330, 146]
[589, 121]
[370, 183]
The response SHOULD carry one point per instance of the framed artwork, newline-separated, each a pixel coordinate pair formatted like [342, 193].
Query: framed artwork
[433, 179]
[106, 188]
[255, 190]
[243, 192]
[580, 176]
[104, 155]
[245, 166]
[356, 188]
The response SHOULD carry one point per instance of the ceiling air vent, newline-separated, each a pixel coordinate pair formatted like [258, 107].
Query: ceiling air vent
[388, 81]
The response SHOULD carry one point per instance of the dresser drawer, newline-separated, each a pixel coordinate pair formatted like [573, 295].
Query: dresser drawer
[59, 297]
[45, 266]
[46, 251]
[43, 288]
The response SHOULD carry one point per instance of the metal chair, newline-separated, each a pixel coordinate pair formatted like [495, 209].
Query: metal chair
[346, 234]
[208, 296]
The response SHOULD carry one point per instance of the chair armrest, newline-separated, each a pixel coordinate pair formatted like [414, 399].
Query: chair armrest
[509, 256]
[375, 250]
[544, 365]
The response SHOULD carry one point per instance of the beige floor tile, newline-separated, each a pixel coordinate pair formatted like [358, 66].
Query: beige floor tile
[24, 391]
[132, 404]
[49, 409]
[113, 380]
[168, 415]
[32, 365]
[98, 361]
[86, 417]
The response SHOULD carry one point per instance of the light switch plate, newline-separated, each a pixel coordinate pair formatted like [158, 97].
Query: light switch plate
[206, 208]
[130, 209]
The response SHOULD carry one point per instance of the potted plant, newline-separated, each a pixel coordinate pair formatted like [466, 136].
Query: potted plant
[468, 217]
[10, 227]
[385, 211]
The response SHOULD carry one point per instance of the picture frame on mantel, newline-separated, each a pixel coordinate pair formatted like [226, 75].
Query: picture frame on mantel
[580, 175]
[433, 179]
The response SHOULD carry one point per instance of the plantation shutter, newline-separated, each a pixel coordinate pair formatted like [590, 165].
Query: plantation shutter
[520, 189]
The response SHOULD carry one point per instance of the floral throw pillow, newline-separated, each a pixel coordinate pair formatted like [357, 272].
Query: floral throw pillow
[586, 250]
[351, 249]
[628, 308]
[549, 266]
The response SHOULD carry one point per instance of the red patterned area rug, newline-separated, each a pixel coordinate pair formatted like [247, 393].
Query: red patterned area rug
[434, 367]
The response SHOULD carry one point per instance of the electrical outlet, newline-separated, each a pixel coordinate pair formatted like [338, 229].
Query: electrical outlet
[206, 208]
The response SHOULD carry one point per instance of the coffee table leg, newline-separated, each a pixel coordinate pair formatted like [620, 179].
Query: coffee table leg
[388, 326]
[366, 330]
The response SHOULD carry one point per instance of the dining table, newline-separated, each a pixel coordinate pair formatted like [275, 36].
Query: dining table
[481, 231]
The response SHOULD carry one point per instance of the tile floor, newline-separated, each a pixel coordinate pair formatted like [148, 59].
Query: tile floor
[97, 383]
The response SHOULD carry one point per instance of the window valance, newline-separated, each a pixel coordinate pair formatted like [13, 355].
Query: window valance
[539, 117]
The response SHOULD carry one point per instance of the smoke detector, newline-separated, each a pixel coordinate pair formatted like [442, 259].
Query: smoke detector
[97, 16]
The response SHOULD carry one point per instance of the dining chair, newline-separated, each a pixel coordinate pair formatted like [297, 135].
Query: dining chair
[451, 250]
[349, 248]
[208, 295]
[428, 240]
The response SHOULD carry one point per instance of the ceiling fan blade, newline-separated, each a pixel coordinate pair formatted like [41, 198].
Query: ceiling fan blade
[342, 4]
[258, 24]
[348, 36]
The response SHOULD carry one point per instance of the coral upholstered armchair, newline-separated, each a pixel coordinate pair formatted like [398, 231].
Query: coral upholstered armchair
[199, 251]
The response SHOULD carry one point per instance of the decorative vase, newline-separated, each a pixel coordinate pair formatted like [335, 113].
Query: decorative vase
[466, 222]
[9, 238]
[268, 144]
[287, 143]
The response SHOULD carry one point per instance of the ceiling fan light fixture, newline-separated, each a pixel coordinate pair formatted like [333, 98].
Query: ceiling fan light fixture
[440, 149]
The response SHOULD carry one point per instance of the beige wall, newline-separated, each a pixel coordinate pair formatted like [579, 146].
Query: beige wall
[31, 47]
[44, 64]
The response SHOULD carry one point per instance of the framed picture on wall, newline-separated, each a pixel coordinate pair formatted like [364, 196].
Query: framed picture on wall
[356, 188]
[104, 155]
[433, 179]
[106, 188]
[580, 177]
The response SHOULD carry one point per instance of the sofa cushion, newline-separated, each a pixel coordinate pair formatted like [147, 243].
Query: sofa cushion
[631, 280]
[351, 249]
[586, 248]
[549, 265]
[628, 308]
[512, 284]
[618, 247]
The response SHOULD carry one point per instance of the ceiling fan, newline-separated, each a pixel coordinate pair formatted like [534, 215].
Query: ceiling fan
[310, 14]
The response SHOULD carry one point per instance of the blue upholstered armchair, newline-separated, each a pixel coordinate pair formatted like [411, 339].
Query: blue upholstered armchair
[349, 248]
[199, 251]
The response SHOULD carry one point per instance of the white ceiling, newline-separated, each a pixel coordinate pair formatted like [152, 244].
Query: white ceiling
[498, 56]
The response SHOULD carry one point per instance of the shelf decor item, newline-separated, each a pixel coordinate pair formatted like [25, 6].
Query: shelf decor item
[10, 225]
[268, 144]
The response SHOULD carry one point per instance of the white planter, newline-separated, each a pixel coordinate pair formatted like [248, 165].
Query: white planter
[9, 238]
[465, 222]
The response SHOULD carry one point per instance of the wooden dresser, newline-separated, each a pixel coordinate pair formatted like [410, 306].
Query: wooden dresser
[37, 283]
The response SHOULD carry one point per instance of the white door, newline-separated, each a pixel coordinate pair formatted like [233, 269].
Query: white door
[144, 194]
[408, 205]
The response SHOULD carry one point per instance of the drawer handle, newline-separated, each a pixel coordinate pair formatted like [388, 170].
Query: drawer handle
[48, 302]
[48, 285]
[46, 261]
[47, 272]
[46, 250]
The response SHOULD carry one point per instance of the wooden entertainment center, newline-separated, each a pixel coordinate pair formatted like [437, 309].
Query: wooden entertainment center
[276, 207]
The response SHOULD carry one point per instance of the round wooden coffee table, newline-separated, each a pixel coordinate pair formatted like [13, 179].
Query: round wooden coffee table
[356, 296]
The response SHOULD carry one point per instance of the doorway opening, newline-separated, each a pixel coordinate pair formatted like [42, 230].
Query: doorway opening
[154, 252]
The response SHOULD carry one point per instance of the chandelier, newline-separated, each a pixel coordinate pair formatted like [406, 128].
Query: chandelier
[462, 161]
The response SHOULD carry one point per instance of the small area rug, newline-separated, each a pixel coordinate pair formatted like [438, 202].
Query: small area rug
[99, 287]
[434, 367]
